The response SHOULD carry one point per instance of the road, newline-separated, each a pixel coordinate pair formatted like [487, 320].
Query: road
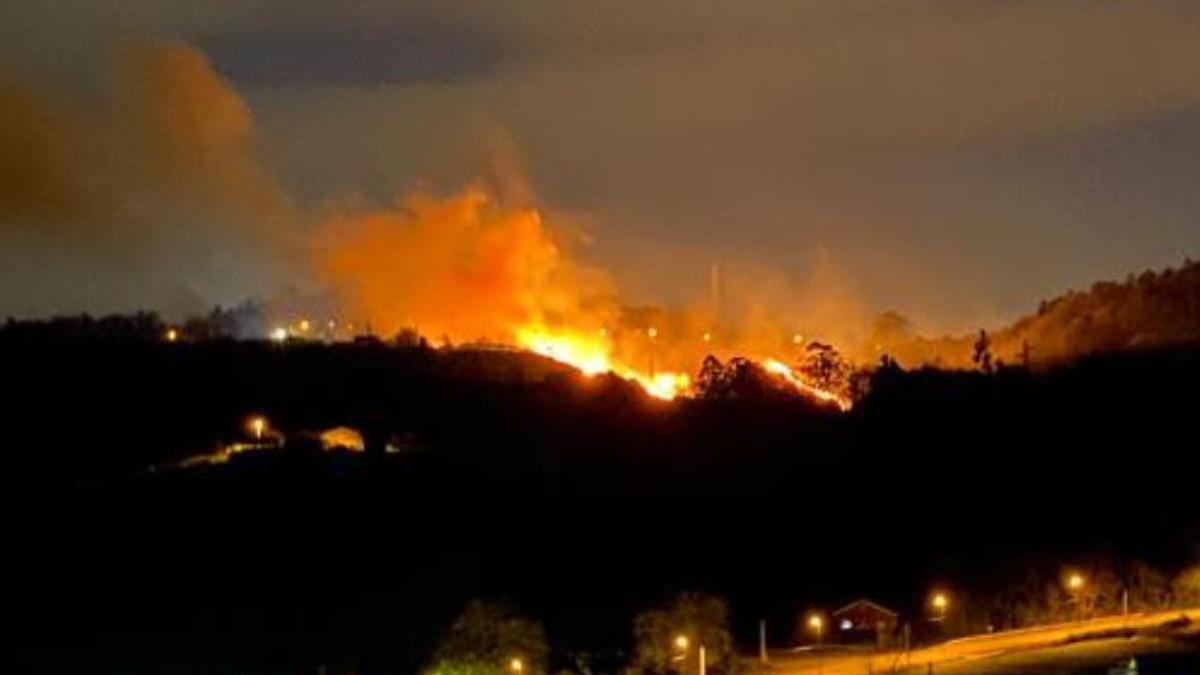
[976, 654]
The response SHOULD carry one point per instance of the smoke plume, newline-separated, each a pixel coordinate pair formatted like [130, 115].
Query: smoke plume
[139, 189]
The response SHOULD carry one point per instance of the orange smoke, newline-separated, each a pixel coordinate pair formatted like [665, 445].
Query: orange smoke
[460, 267]
[464, 268]
[467, 268]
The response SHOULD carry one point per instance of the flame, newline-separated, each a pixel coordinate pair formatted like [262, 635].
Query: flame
[469, 267]
[776, 367]
[592, 355]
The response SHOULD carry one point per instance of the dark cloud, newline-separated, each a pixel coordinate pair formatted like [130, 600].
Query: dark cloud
[142, 190]
[405, 55]
[925, 149]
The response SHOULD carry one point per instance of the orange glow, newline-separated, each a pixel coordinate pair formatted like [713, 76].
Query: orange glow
[591, 353]
[257, 426]
[469, 267]
[791, 377]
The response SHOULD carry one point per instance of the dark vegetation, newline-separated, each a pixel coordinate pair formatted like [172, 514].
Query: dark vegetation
[580, 499]
[1151, 309]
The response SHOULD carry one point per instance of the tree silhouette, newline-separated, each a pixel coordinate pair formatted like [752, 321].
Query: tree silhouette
[982, 354]
[696, 618]
[489, 638]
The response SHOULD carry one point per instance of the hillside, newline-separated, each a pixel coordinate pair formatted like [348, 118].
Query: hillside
[1152, 309]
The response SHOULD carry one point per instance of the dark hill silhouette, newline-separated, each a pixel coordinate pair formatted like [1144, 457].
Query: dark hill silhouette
[582, 497]
[1151, 309]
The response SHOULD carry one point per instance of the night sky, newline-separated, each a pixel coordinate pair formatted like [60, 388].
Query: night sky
[957, 161]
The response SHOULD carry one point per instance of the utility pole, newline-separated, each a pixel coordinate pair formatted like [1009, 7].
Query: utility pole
[762, 641]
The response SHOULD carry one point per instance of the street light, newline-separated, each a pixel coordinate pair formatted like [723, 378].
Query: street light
[516, 665]
[940, 603]
[1075, 582]
[817, 624]
[682, 642]
[258, 425]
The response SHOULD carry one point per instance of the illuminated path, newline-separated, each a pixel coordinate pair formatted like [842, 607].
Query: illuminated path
[956, 654]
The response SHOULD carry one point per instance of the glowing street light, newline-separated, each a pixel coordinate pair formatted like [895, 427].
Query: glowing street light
[940, 602]
[258, 426]
[172, 335]
[516, 665]
[1075, 583]
[652, 332]
[682, 642]
[279, 334]
[817, 625]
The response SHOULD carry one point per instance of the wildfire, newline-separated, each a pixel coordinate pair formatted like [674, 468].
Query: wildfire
[470, 266]
[592, 355]
[781, 369]
[589, 355]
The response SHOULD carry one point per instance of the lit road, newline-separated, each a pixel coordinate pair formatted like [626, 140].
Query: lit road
[973, 653]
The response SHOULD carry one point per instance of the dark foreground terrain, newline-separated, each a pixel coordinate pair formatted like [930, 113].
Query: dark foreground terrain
[579, 499]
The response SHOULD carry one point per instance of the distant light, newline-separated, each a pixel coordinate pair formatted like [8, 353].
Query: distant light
[516, 665]
[304, 325]
[258, 426]
[652, 332]
[815, 622]
[332, 324]
[279, 334]
[940, 601]
[847, 624]
[707, 337]
[172, 335]
[1075, 581]
[603, 332]
[681, 642]
[797, 339]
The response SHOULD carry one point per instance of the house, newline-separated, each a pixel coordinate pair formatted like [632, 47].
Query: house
[863, 621]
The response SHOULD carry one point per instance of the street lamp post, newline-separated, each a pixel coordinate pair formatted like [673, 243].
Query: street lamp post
[817, 625]
[1075, 582]
[652, 333]
[940, 602]
[682, 642]
[258, 425]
